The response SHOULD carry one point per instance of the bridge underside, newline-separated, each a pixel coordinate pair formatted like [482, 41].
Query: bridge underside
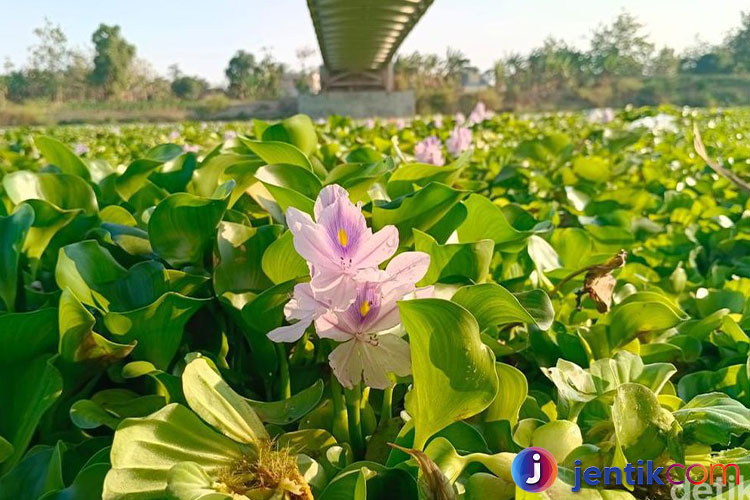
[358, 39]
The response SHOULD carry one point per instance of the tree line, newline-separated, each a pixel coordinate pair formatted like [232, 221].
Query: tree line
[56, 72]
[620, 64]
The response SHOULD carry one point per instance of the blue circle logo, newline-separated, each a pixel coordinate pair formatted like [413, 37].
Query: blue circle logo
[534, 470]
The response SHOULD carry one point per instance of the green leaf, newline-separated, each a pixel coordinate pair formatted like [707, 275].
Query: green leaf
[357, 178]
[408, 175]
[628, 320]
[485, 220]
[86, 485]
[59, 155]
[157, 328]
[145, 449]
[137, 173]
[13, 232]
[713, 418]
[290, 185]
[369, 480]
[78, 341]
[188, 481]
[291, 409]
[66, 192]
[493, 305]
[84, 268]
[592, 168]
[559, 437]
[38, 473]
[183, 227]
[511, 394]
[298, 130]
[420, 210]
[31, 383]
[456, 261]
[281, 262]
[273, 152]
[48, 221]
[241, 249]
[216, 403]
[6, 449]
[454, 373]
[642, 426]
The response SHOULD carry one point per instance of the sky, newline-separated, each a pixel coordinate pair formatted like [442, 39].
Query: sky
[201, 36]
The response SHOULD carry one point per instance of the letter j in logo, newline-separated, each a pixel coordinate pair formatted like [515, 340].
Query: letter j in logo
[534, 469]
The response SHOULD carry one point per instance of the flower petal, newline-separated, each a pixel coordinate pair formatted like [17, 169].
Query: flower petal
[310, 239]
[407, 267]
[333, 326]
[327, 196]
[290, 333]
[377, 248]
[334, 289]
[346, 363]
[390, 355]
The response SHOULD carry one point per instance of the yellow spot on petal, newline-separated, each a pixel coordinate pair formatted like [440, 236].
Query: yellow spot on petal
[343, 238]
[364, 308]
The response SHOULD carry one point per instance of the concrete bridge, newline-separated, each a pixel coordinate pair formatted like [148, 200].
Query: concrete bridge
[358, 39]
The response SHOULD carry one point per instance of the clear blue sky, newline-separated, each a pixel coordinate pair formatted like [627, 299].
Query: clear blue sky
[201, 36]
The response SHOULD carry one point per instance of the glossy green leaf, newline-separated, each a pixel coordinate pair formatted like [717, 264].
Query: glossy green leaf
[456, 261]
[493, 305]
[281, 262]
[59, 155]
[454, 373]
[28, 342]
[13, 232]
[183, 228]
[420, 210]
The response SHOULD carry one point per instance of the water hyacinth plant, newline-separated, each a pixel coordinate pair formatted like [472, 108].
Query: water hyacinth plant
[345, 310]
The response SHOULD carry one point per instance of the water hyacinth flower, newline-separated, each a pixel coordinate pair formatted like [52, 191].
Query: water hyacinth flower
[229, 135]
[437, 121]
[191, 148]
[174, 135]
[367, 353]
[338, 245]
[369, 124]
[600, 115]
[80, 148]
[659, 123]
[430, 151]
[479, 114]
[459, 118]
[459, 140]
[349, 298]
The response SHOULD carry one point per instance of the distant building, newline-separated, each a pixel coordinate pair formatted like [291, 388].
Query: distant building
[472, 80]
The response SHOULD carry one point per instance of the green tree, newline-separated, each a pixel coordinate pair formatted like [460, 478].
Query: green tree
[250, 78]
[665, 63]
[240, 73]
[188, 87]
[49, 58]
[739, 44]
[620, 49]
[112, 59]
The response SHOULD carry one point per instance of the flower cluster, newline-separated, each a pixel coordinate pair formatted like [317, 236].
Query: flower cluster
[430, 151]
[459, 140]
[349, 298]
[479, 114]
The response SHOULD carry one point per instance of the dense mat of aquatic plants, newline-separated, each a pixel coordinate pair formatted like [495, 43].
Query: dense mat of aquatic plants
[261, 310]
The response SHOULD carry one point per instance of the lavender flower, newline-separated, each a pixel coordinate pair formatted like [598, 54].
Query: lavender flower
[459, 140]
[429, 151]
